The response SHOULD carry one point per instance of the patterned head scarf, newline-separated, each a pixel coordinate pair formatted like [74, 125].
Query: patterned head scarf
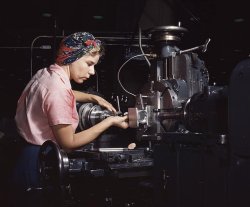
[75, 46]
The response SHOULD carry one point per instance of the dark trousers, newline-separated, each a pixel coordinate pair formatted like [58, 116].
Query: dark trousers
[24, 187]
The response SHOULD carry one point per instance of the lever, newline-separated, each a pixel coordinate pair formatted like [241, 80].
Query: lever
[205, 45]
[118, 106]
[202, 47]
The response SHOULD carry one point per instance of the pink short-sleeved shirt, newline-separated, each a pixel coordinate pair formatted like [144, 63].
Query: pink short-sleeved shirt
[47, 100]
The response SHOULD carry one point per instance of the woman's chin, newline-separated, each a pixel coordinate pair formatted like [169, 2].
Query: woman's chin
[80, 81]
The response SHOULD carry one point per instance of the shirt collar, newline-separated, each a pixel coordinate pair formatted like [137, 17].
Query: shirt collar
[60, 71]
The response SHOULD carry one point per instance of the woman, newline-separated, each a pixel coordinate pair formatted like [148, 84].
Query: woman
[47, 106]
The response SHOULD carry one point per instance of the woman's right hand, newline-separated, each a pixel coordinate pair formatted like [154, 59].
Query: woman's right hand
[119, 121]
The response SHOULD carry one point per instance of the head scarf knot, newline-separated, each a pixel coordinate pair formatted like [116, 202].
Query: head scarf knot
[75, 46]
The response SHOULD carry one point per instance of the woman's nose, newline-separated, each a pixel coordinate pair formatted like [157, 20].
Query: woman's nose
[92, 70]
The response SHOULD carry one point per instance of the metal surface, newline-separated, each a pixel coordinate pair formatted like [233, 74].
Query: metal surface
[175, 78]
[167, 33]
[58, 166]
[91, 114]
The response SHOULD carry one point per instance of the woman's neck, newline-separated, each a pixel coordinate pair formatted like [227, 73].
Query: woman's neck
[66, 69]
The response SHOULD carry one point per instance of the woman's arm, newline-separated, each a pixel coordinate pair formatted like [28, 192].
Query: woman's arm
[68, 140]
[86, 97]
[83, 97]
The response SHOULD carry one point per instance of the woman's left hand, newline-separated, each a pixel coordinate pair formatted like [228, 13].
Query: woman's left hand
[102, 102]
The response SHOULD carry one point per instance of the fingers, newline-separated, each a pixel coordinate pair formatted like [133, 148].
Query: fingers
[109, 107]
[124, 125]
[125, 118]
[112, 108]
[125, 122]
[106, 104]
[118, 121]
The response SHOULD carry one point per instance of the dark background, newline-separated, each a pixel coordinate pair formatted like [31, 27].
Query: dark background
[31, 29]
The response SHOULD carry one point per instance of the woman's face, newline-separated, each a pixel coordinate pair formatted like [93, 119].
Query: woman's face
[83, 68]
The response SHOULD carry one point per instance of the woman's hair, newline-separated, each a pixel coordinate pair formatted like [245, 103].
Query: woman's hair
[76, 45]
[97, 50]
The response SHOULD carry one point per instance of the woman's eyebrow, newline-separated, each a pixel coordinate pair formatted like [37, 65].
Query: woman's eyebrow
[90, 62]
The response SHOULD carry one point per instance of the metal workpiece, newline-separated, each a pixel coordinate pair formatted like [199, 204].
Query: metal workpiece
[91, 114]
